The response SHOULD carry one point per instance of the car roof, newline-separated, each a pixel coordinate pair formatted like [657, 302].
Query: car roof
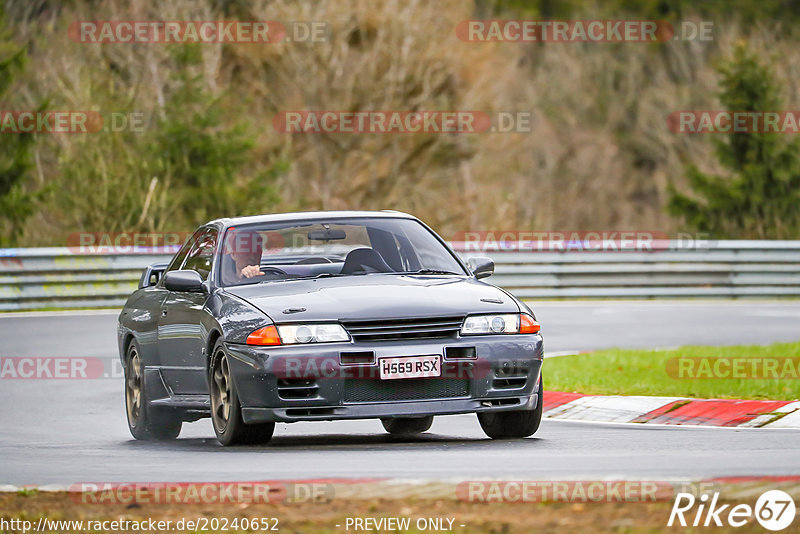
[309, 216]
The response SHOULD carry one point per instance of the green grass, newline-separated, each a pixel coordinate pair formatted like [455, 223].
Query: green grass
[645, 372]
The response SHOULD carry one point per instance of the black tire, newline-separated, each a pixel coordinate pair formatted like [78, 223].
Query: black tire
[144, 421]
[513, 424]
[226, 410]
[406, 426]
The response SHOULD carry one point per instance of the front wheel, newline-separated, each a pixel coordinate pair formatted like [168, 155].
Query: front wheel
[144, 421]
[513, 424]
[226, 410]
[406, 426]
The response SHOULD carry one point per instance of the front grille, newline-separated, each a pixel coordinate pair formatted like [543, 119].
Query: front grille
[365, 390]
[417, 328]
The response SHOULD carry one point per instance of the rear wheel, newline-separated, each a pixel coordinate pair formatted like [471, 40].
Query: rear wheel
[513, 424]
[144, 421]
[226, 410]
[406, 426]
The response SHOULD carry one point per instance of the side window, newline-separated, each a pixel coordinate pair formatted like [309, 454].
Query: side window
[201, 255]
[177, 261]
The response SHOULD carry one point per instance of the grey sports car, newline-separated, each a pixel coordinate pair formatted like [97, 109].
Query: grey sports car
[322, 316]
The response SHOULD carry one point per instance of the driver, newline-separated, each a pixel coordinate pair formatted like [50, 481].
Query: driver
[245, 249]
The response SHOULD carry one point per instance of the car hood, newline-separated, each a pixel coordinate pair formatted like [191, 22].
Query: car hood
[374, 296]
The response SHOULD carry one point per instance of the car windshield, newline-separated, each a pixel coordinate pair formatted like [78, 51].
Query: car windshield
[270, 252]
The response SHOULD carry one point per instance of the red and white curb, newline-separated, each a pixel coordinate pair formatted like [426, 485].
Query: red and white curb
[672, 410]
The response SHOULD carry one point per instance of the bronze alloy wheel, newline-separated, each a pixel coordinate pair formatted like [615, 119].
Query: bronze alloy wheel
[226, 408]
[133, 385]
[221, 391]
[145, 421]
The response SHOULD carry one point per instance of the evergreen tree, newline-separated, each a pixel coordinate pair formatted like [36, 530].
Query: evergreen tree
[760, 198]
[16, 205]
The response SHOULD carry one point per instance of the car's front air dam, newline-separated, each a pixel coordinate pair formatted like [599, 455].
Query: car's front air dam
[310, 382]
[385, 410]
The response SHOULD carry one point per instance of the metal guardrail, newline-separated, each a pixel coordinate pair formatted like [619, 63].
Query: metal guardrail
[37, 278]
[729, 269]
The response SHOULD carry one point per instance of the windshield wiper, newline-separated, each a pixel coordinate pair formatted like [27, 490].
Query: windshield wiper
[311, 277]
[432, 271]
[320, 275]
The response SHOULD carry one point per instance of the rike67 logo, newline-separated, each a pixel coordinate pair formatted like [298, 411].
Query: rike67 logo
[774, 510]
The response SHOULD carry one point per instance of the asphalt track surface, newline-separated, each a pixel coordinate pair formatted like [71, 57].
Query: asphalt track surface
[67, 431]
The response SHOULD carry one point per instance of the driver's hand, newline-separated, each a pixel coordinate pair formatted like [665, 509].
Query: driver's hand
[251, 270]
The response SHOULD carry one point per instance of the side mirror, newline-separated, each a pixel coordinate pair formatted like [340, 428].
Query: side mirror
[481, 267]
[184, 280]
[152, 274]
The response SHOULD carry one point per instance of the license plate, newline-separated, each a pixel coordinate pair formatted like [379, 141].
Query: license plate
[410, 367]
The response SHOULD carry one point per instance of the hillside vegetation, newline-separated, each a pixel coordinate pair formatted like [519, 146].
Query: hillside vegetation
[599, 157]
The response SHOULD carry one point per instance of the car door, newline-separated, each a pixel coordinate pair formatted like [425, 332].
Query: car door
[144, 318]
[181, 338]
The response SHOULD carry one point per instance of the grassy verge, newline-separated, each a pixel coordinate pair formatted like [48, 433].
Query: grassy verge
[682, 372]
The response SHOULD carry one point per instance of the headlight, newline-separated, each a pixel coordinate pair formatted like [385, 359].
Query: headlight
[312, 333]
[507, 323]
[291, 334]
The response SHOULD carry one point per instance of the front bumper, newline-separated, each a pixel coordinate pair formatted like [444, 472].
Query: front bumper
[315, 382]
